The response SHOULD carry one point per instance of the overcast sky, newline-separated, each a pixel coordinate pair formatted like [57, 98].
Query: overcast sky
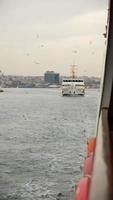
[40, 35]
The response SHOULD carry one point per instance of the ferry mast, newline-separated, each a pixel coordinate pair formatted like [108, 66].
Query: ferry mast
[73, 71]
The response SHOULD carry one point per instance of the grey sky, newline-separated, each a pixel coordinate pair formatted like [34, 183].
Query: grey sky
[38, 35]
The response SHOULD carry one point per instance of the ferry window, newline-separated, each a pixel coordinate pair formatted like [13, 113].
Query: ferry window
[44, 127]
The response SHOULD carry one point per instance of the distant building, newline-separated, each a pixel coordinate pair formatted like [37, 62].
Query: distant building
[51, 77]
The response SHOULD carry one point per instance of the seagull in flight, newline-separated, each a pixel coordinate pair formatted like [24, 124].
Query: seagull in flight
[37, 63]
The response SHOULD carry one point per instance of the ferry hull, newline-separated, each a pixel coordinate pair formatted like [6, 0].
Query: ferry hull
[73, 92]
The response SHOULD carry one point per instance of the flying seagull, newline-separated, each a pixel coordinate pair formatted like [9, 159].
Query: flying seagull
[74, 51]
[37, 35]
[42, 45]
[37, 63]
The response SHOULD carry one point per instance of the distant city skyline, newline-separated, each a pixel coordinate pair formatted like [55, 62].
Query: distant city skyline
[41, 35]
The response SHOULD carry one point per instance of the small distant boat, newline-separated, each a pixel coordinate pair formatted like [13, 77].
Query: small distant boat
[53, 86]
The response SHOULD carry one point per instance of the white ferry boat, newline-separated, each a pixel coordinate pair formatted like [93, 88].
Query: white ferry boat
[73, 87]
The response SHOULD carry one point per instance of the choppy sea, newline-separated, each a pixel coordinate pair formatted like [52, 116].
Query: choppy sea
[43, 142]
